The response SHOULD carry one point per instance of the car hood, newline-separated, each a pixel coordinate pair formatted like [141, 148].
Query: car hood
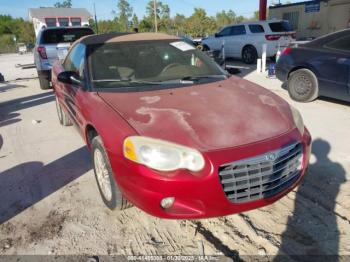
[212, 116]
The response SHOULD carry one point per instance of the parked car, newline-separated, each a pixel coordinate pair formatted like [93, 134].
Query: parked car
[22, 48]
[51, 44]
[172, 133]
[317, 68]
[245, 41]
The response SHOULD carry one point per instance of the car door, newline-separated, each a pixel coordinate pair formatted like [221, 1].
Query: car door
[334, 68]
[72, 93]
[236, 41]
[221, 39]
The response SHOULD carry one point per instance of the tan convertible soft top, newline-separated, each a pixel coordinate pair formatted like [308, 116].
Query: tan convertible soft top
[125, 37]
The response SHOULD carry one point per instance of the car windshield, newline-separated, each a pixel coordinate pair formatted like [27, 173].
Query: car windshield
[165, 62]
[64, 35]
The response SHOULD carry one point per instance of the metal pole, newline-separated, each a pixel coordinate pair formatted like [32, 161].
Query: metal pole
[96, 23]
[262, 9]
[155, 15]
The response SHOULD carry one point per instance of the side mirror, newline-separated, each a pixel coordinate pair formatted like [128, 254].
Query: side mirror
[217, 35]
[70, 77]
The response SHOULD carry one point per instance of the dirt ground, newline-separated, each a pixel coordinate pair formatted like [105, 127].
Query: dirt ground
[49, 202]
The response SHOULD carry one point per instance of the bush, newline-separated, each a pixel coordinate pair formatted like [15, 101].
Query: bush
[6, 44]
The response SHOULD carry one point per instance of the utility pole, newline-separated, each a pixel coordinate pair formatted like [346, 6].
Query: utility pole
[96, 23]
[155, 15]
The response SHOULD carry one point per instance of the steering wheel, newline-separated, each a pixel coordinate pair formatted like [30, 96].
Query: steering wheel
[170, 66]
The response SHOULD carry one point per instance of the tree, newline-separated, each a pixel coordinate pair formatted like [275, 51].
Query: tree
[163, 15]
[10, 27]
[225, 18]
[179, 22]
[165, 21]
[124, 14]
[135, 21]
[64, 4]
[145, 25]
[199, 24]
[164, 11]
[108, 26]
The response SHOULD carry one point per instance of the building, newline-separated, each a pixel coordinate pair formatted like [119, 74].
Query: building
[52, 17]
[314, 18]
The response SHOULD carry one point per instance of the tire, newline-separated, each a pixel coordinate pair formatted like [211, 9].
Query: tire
[249, 55]
[303, 85]
[44, 83]
[112, 197]
[205, 48]
[199, 47]
[63, 118]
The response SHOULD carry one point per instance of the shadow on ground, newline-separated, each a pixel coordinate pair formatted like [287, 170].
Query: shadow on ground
[241, 69]
[8, 109]
[312, 230]
[26, 184]
[6, 86]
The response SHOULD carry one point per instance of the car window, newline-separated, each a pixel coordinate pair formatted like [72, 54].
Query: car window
[64, 35]
[75, 60]
[75, 21]
[238, 30]
[156, 61]
[50, 22]
[342, 44]
[256, 29]
[279, 27]
[63, 21]
[225, 32]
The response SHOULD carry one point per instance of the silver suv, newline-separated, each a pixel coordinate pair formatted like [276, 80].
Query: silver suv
[52, 44]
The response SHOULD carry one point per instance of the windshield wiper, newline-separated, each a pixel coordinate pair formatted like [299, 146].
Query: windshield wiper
[130, 81]
[197, 78]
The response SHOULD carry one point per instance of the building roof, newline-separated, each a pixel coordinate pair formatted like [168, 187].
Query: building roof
[294, 4]
[58, 12]
[125, 37]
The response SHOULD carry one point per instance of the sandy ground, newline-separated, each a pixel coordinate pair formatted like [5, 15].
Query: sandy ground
[10, 72]
[49, 203]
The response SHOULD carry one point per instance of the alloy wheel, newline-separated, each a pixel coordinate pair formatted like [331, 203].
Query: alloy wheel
[102, 174]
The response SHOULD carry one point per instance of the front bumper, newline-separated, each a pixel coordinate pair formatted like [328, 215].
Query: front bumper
[199, 195]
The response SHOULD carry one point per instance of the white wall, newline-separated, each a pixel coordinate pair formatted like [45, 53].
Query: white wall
[39, 23]
[333, 16]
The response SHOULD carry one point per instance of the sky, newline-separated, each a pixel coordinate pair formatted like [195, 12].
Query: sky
[19, 8]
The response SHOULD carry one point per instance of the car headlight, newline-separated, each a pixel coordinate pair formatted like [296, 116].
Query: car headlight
[298, 120]
[161, 155]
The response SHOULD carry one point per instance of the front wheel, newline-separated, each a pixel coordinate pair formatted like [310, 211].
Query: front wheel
[109, 190]
[249, 55]
[205, 48]
[303, 85]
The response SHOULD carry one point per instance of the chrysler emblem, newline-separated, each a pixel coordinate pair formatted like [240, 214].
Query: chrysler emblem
[271, 157]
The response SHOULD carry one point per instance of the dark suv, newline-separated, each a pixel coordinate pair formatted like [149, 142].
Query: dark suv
[53, 44]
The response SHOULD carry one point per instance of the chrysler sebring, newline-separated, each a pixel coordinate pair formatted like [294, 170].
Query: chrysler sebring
[173, 134]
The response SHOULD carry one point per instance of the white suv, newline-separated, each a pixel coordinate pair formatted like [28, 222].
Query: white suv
[245, 40]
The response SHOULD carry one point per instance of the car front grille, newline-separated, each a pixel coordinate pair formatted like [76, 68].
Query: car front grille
[262, 176]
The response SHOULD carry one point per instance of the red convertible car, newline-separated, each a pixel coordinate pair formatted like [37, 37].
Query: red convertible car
[172, 133]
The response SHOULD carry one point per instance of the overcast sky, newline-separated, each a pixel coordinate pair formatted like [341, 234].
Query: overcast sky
[19, 8]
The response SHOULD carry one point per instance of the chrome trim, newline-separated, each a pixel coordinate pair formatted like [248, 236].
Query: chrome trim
[261, 176]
